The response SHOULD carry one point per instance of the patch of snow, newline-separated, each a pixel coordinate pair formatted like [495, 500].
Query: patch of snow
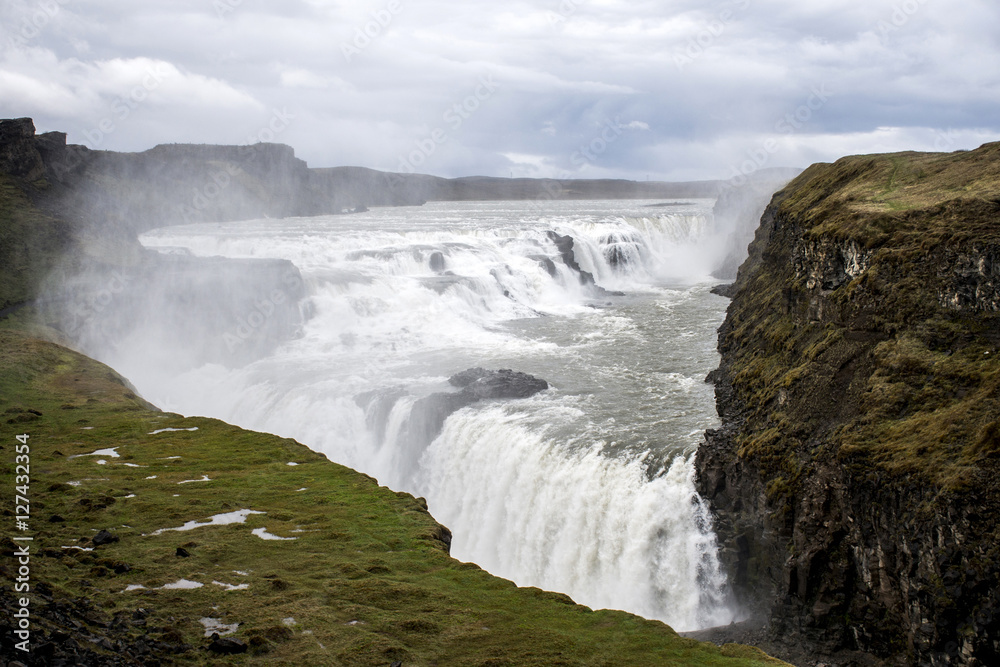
[102, 462]
[131, 495]
[239, 516]
[232, 587]
[288, 621]
[133, 465]
[170, 458]
[302, 489]
[181, 585]
[213, 625]
[113, 453]
[86, 428]
[172, 430]
[74, 483]
[134, 587]
[204, 478]
[264, 535]
[241, 573]
[153, 477]
[292, 463]
[80, 548]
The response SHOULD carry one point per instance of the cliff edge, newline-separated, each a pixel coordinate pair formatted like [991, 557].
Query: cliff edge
[855, 476]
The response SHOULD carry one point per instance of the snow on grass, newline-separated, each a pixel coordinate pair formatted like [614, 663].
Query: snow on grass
[264, 535]
[172, 430]
[113, 453]
[182, 585]
[239, 516]
[213, 625]
[204, 478]
[232, 587]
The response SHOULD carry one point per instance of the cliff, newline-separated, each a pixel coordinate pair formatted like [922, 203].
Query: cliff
[162, 540]
[184, 183]
[855, 476]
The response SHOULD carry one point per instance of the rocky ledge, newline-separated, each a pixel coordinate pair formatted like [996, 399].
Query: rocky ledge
[855, 475]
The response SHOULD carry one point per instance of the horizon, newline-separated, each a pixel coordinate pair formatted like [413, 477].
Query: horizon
[570, 89]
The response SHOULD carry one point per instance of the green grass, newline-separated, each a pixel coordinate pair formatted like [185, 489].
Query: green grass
[31, 243]
[887, 379]
[367, 580]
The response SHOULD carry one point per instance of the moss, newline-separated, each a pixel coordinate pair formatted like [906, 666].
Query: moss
[363, 582]
[31, 243]
[876, 372]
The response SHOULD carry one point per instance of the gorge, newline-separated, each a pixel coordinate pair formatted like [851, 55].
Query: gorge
[850, 484]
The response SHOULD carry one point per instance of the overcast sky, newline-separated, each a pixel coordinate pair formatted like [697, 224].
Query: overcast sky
[667, 89]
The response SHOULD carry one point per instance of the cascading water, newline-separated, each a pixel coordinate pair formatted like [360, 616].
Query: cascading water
[586, 488]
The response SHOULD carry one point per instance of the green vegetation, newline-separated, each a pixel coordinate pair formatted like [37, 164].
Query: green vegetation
[366, 581]
[896, 370]
[30, 244]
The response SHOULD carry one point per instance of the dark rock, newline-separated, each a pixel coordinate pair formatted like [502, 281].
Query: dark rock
[547, 264]
[55, 518]
[104, 537]
[226, 645]
[437, 262]
[429, 413]
[183, 553]
[564, 244]
[504, 383]
[849, 561]
[18, 154]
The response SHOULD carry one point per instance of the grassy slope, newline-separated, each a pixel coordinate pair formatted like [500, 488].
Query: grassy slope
[892, 377]
[366, 581]
[30, 244]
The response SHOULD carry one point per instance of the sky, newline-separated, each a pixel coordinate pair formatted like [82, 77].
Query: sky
[639, 89]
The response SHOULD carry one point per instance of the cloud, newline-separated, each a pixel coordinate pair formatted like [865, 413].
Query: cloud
[917, 67]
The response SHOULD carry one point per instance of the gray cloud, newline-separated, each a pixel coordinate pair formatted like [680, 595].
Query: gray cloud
[693, 89]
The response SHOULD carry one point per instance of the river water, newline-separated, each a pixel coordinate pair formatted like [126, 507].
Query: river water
[586, 488]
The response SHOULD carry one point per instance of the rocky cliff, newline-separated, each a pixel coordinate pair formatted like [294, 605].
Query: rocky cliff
[855, 476]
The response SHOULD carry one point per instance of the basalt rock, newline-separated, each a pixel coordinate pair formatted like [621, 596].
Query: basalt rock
[856, 474]
[477, 384]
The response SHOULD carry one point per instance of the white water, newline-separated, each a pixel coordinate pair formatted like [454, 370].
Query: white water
[586, 488]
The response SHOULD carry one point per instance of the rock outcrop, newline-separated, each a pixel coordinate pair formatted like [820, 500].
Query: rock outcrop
[477, 384]
[856, 475]
[737, 212]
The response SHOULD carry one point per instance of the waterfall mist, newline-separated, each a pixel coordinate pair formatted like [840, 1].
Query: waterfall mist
[334, 330]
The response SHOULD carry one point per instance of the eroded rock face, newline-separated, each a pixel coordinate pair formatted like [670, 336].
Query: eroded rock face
[972, 279]
[504, 383]
[857, 550]
[18, 155]
[828, 264]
